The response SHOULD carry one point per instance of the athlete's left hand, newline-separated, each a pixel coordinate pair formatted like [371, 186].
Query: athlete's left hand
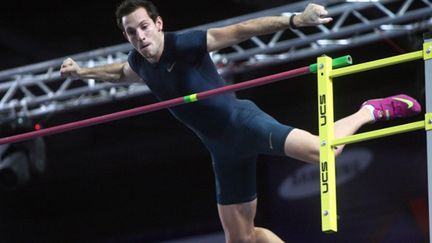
[313, 14]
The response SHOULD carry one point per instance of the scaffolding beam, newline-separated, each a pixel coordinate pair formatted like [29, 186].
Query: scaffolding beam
[37, 90]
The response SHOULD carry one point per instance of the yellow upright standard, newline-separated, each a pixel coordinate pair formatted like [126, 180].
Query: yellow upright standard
[327, 156]
[328, 142]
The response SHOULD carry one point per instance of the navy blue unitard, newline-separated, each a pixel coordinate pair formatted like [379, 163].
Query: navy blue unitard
[234, 131]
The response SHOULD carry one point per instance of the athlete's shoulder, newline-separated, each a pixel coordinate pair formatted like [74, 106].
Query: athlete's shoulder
[191, 42]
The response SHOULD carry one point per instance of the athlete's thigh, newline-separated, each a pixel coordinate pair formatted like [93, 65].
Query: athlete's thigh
[235, 177]
[262, 133]
[302, 145]
[238, 219]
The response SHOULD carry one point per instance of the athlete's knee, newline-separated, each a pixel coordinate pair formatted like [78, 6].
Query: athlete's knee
[338, 150]
[313, 155]
[240, 238]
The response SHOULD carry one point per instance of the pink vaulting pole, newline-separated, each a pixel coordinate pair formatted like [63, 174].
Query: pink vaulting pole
[154, 107]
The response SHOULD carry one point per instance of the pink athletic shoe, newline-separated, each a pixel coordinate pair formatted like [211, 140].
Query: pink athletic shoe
[393, 107]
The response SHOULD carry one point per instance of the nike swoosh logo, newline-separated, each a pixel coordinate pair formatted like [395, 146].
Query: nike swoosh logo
[270, 141]
[170, 68]
[408, 102]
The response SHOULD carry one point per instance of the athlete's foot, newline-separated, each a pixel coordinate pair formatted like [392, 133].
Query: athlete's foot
[392, 107]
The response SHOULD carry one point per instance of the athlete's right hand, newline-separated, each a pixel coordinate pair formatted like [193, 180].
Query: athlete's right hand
[70, 69]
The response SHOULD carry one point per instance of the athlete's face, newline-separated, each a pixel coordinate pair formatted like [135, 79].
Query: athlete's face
[145, 35]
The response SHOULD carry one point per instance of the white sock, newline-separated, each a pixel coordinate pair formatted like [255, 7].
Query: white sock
[371, 109]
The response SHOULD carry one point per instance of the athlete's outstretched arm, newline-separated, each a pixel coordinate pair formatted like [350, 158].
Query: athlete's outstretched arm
[117, 72]
[218, 38]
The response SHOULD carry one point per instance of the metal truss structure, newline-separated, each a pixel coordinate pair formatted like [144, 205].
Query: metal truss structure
[38, 90]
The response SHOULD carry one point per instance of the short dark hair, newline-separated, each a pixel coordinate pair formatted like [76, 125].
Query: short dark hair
[128, 6]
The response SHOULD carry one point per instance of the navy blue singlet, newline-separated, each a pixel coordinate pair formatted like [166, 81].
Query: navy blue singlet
[234, 131]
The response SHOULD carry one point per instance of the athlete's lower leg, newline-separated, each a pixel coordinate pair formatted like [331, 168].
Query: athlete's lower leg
[304, 146]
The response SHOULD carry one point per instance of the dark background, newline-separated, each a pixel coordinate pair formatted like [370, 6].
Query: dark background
[148, 178]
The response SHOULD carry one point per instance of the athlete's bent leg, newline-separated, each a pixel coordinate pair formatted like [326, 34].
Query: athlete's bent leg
[304, 146]
[238, 224]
